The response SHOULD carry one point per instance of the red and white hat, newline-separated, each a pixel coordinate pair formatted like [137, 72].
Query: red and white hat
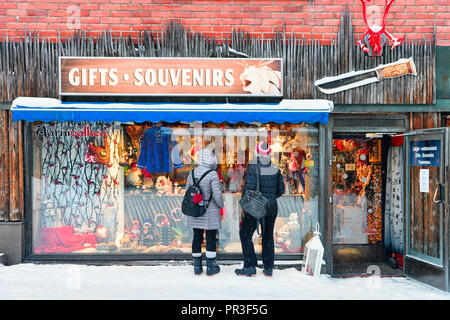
[263, 149]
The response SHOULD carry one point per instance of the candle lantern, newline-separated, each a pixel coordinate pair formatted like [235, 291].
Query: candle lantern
[313, 255]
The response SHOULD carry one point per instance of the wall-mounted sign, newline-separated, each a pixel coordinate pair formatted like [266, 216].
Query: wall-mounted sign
[355, 79]
[425, 153]
[170, 76]
[376, 28]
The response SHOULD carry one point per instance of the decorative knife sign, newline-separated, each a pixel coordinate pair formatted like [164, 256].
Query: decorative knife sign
[376, 33]
[355, 79]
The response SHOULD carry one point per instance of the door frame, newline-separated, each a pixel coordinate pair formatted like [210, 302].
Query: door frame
[414, 267]
[385, 123]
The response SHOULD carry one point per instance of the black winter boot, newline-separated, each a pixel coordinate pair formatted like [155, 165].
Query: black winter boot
[198, 268]
[211, 266]
[246, 271]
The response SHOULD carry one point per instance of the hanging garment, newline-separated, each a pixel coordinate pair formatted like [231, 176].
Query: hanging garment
[154, 155]
[393, 222]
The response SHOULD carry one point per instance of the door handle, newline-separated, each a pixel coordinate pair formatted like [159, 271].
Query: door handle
[440, 188]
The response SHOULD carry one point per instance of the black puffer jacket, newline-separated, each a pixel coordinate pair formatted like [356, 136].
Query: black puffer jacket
[271, 183]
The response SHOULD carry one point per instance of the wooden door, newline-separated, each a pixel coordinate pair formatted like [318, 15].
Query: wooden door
[426, 221]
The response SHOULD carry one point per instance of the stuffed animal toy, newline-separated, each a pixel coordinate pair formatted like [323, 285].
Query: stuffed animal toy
[282, 237]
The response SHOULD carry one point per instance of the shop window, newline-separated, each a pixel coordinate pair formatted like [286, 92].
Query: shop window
[357, 200]
[111, 188]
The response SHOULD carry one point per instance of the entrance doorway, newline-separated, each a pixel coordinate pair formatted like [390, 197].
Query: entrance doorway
[367, 204]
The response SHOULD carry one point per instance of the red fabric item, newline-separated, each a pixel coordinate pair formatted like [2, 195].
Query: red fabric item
[397, 141]
[62, 239]
[399, 259]
[197, 198]
[219, 173]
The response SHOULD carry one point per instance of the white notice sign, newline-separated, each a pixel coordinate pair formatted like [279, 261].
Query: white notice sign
[424, 181]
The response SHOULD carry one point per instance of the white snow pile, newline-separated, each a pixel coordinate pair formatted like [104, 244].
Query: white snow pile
[177, 282]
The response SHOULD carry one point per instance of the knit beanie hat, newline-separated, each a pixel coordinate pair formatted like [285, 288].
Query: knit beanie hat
[262, 149]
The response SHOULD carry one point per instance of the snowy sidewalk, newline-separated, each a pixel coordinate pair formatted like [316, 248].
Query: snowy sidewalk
[68, 281]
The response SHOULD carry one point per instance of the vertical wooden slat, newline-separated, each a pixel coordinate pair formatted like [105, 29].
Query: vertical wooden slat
[4, 167]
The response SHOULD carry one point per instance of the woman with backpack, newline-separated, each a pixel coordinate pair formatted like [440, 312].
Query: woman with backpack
[210, 222]
[271, 185]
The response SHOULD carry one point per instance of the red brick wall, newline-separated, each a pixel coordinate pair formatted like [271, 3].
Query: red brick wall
[261, 17]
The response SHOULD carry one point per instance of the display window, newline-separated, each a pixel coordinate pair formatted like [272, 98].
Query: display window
[117, 188]
[357, 191]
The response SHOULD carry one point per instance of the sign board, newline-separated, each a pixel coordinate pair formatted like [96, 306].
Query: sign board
[425, 153]
[170, 76]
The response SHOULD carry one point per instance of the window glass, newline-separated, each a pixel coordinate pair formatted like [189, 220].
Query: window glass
[103, 188]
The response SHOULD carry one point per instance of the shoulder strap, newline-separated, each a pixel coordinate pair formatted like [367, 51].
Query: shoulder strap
[257, 176]
[204, 175]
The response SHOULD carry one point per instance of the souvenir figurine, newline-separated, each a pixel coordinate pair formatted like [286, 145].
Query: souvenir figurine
[101, 234]
[147, 233]
[163, 185]
[135, 231]
[134, 176]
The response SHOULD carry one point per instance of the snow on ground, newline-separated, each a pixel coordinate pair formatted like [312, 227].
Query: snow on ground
[177, 282]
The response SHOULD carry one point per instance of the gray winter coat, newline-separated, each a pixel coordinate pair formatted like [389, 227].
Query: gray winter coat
[211, 188]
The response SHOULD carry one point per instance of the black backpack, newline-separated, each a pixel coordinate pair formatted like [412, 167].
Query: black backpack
[188, 206]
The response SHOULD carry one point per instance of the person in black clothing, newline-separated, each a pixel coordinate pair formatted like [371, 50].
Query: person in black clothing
[271, 186]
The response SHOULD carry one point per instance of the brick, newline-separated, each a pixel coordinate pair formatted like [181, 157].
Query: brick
[99, 13]
[313, 22]
[151, 21]
[9, 5]
[28, 19]
[110, 7]
[14, 12]
[89, 6]
[57, 13]
[273, 8]
[141, 14]
[130, 20]
[120, 14]
[109, 20]
[131, 7]
[320, 29]
[48, 19]
[262, 15]
[89, 20]
[251, 8]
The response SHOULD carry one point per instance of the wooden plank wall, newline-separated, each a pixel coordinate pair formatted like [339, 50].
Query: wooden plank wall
[29, 67]
[11, 169]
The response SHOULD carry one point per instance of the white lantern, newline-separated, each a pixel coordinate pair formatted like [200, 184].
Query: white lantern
[313, 255]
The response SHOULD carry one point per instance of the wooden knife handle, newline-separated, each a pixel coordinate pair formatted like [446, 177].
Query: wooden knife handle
[397, 69]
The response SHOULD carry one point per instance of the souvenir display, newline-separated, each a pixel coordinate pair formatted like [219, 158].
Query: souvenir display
[357, 201]
[97, 154]
[131, 204]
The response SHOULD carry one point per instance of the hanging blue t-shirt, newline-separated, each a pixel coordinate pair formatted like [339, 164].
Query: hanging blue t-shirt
[154, 155]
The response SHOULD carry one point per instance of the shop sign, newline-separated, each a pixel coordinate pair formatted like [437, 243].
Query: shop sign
[425, 153]
[376, 32]
[170, 76]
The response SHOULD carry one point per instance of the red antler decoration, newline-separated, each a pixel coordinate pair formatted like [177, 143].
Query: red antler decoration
[375, 32]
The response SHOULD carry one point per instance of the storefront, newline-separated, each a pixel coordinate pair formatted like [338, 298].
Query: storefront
[105, 180]
[390, 197]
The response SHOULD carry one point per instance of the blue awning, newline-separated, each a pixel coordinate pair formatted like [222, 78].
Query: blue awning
[293, 111]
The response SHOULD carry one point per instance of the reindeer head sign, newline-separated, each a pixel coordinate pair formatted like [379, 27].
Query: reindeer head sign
[260, 79]
[376, 34]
